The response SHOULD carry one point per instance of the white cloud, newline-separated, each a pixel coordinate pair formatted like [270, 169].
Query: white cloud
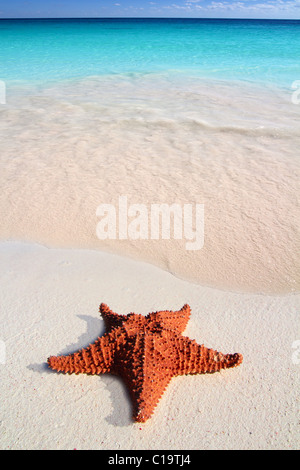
[236, 8]
[255, 6]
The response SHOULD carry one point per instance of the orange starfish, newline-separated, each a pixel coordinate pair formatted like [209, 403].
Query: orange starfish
[146, 351]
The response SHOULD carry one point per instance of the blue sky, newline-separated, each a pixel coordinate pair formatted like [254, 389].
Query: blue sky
[145, 8]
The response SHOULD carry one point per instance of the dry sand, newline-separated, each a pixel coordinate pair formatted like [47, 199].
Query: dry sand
[49, 305]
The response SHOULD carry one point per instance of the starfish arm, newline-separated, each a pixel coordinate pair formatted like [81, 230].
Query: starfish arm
[111, 319]
[175, 321]
[146, 399]
[97, 358]
[147, 374]
[192, 358]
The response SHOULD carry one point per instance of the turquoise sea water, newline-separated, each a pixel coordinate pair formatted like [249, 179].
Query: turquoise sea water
[251, 50]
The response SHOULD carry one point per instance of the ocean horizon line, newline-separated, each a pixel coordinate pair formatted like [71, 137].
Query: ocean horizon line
[148, 18]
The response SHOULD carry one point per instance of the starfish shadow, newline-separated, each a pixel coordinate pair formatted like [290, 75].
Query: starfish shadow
[120, 399]
[95, 328]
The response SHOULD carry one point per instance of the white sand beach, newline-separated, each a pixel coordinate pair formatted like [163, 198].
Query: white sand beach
[49, 306]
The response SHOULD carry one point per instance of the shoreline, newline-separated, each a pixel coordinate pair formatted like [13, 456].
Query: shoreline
[107, 250]
[49, 306]
[70, 149]
[172, 75]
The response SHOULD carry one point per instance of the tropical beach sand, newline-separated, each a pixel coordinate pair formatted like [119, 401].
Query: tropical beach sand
[49, 306]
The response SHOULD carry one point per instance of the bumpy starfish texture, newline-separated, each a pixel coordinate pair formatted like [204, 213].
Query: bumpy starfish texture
[146, 351]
